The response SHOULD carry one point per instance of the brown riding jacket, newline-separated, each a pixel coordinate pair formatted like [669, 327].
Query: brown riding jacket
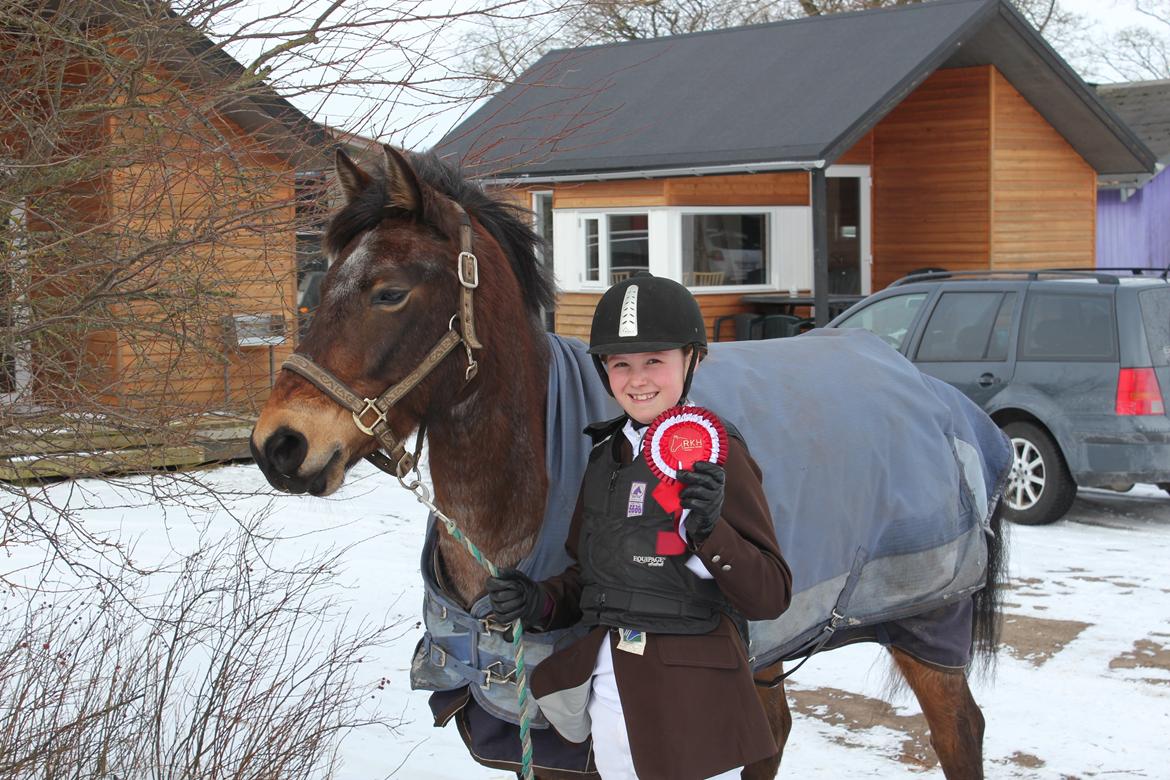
[690, 704]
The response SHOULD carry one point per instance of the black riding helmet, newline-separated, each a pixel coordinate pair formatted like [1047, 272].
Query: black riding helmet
[647, 314]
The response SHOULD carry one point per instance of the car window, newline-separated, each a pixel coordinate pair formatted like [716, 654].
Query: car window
[889, 318]
[960, 327]
[1001, 331]
[1156, 315]
[1068, 326]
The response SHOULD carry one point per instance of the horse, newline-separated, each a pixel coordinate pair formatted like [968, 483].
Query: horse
[434, 290]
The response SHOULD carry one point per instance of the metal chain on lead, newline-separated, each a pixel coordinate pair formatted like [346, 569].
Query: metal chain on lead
[423, 495]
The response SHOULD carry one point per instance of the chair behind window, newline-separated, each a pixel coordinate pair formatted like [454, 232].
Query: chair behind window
[703, 278]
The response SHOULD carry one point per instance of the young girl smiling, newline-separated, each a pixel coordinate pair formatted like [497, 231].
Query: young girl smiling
[661, 680]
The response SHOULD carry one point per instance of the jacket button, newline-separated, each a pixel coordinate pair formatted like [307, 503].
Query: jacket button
[715, 559]
[727, 567]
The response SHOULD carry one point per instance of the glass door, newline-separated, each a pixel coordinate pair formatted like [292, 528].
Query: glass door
[848, 207]
[844, 236]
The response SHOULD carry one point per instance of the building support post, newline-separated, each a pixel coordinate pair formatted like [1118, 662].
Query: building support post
[820, 236]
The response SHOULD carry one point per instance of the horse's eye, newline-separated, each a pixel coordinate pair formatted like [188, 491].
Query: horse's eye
[390, 297]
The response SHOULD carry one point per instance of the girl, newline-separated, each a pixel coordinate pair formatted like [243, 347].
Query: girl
[662, 680]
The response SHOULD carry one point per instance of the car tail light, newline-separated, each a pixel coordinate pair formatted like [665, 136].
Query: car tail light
[1138, 392]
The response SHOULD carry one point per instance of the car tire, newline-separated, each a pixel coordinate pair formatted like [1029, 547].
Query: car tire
[1040, 490]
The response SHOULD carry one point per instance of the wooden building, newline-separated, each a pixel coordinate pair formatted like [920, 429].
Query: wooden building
[832, 154]
[152, 266]
[177, 166]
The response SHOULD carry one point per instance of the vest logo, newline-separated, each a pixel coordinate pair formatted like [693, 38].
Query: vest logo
[653, 561]
[636, 504]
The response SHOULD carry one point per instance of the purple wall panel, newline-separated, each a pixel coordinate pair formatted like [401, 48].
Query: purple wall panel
[1137, 232]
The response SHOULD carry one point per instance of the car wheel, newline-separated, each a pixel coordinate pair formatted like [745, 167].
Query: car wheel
[1040, 489]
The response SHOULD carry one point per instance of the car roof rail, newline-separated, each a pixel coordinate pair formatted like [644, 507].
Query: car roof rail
[1153, 273]
[1029, 275]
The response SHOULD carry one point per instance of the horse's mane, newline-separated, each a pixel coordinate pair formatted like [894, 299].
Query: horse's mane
[509, 224]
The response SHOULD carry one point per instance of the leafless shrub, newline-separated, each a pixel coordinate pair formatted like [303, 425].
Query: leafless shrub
[237, 669]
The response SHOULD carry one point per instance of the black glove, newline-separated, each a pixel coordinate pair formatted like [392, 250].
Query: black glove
[703, 495]
[515, 595]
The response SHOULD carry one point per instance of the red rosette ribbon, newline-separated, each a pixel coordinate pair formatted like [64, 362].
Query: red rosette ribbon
[677, 439]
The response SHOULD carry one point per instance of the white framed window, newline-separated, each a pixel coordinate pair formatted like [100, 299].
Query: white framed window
[741, 248]
[725, 249]
[14, 351]
[542, 223]
[709, 248]
[612, 246]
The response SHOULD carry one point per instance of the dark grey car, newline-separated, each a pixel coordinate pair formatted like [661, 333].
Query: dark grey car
[1072, 366]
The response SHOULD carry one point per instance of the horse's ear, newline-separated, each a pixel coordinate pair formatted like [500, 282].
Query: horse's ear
[353, 179]
[402, 188]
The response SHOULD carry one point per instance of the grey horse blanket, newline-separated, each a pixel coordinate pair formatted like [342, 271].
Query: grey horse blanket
[881, 481]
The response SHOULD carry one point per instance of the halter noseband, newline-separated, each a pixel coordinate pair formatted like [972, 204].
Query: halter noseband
[400, 461]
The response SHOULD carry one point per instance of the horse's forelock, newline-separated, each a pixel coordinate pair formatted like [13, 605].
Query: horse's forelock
[508, 224]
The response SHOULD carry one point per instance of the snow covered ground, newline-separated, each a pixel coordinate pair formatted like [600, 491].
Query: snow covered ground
[1082, 687]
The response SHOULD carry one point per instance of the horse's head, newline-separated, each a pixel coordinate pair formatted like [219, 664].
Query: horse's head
[393, 312]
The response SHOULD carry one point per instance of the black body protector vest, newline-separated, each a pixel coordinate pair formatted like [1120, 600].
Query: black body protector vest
[626, 582]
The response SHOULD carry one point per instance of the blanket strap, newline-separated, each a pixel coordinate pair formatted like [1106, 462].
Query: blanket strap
[836, 620]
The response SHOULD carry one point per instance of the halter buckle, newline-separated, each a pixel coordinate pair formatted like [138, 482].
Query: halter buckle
[369, 406]
[468, 266]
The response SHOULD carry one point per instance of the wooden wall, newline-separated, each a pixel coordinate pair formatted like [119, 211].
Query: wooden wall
[574, 314]
[968, 176]
[1043, 195]
[861, 153]
[785, 188]
[231, 213]
[932, 177]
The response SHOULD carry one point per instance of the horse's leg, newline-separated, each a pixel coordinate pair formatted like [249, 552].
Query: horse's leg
[779, 717]
[955, 721]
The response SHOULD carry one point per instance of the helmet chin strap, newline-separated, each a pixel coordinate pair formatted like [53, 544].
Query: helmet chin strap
[682, 399]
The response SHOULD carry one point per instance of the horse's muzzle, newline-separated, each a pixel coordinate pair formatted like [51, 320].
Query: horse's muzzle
[280, 458]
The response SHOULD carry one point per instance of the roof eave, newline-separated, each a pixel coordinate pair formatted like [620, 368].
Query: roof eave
[1121, 131]
[655, 173]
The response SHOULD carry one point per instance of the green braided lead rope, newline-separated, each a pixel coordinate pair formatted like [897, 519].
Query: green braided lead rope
[521, 673]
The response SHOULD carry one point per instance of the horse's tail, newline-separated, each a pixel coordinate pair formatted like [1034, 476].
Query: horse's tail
[989, 601]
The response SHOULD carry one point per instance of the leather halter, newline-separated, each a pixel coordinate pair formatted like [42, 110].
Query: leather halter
[369, 414]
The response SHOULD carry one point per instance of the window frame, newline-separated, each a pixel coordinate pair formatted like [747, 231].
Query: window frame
[538, 213]
[999, 307]
[789, 231]
[770, 244]
[603, 260]
[21, 366]
[911, 336]
[1025, 321]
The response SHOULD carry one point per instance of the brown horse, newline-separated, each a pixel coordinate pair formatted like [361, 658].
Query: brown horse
[402, 308]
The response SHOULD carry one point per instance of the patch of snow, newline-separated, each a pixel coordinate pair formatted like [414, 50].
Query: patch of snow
[1078, 713]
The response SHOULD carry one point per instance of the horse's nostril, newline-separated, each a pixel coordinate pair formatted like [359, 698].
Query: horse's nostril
[286, 450]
